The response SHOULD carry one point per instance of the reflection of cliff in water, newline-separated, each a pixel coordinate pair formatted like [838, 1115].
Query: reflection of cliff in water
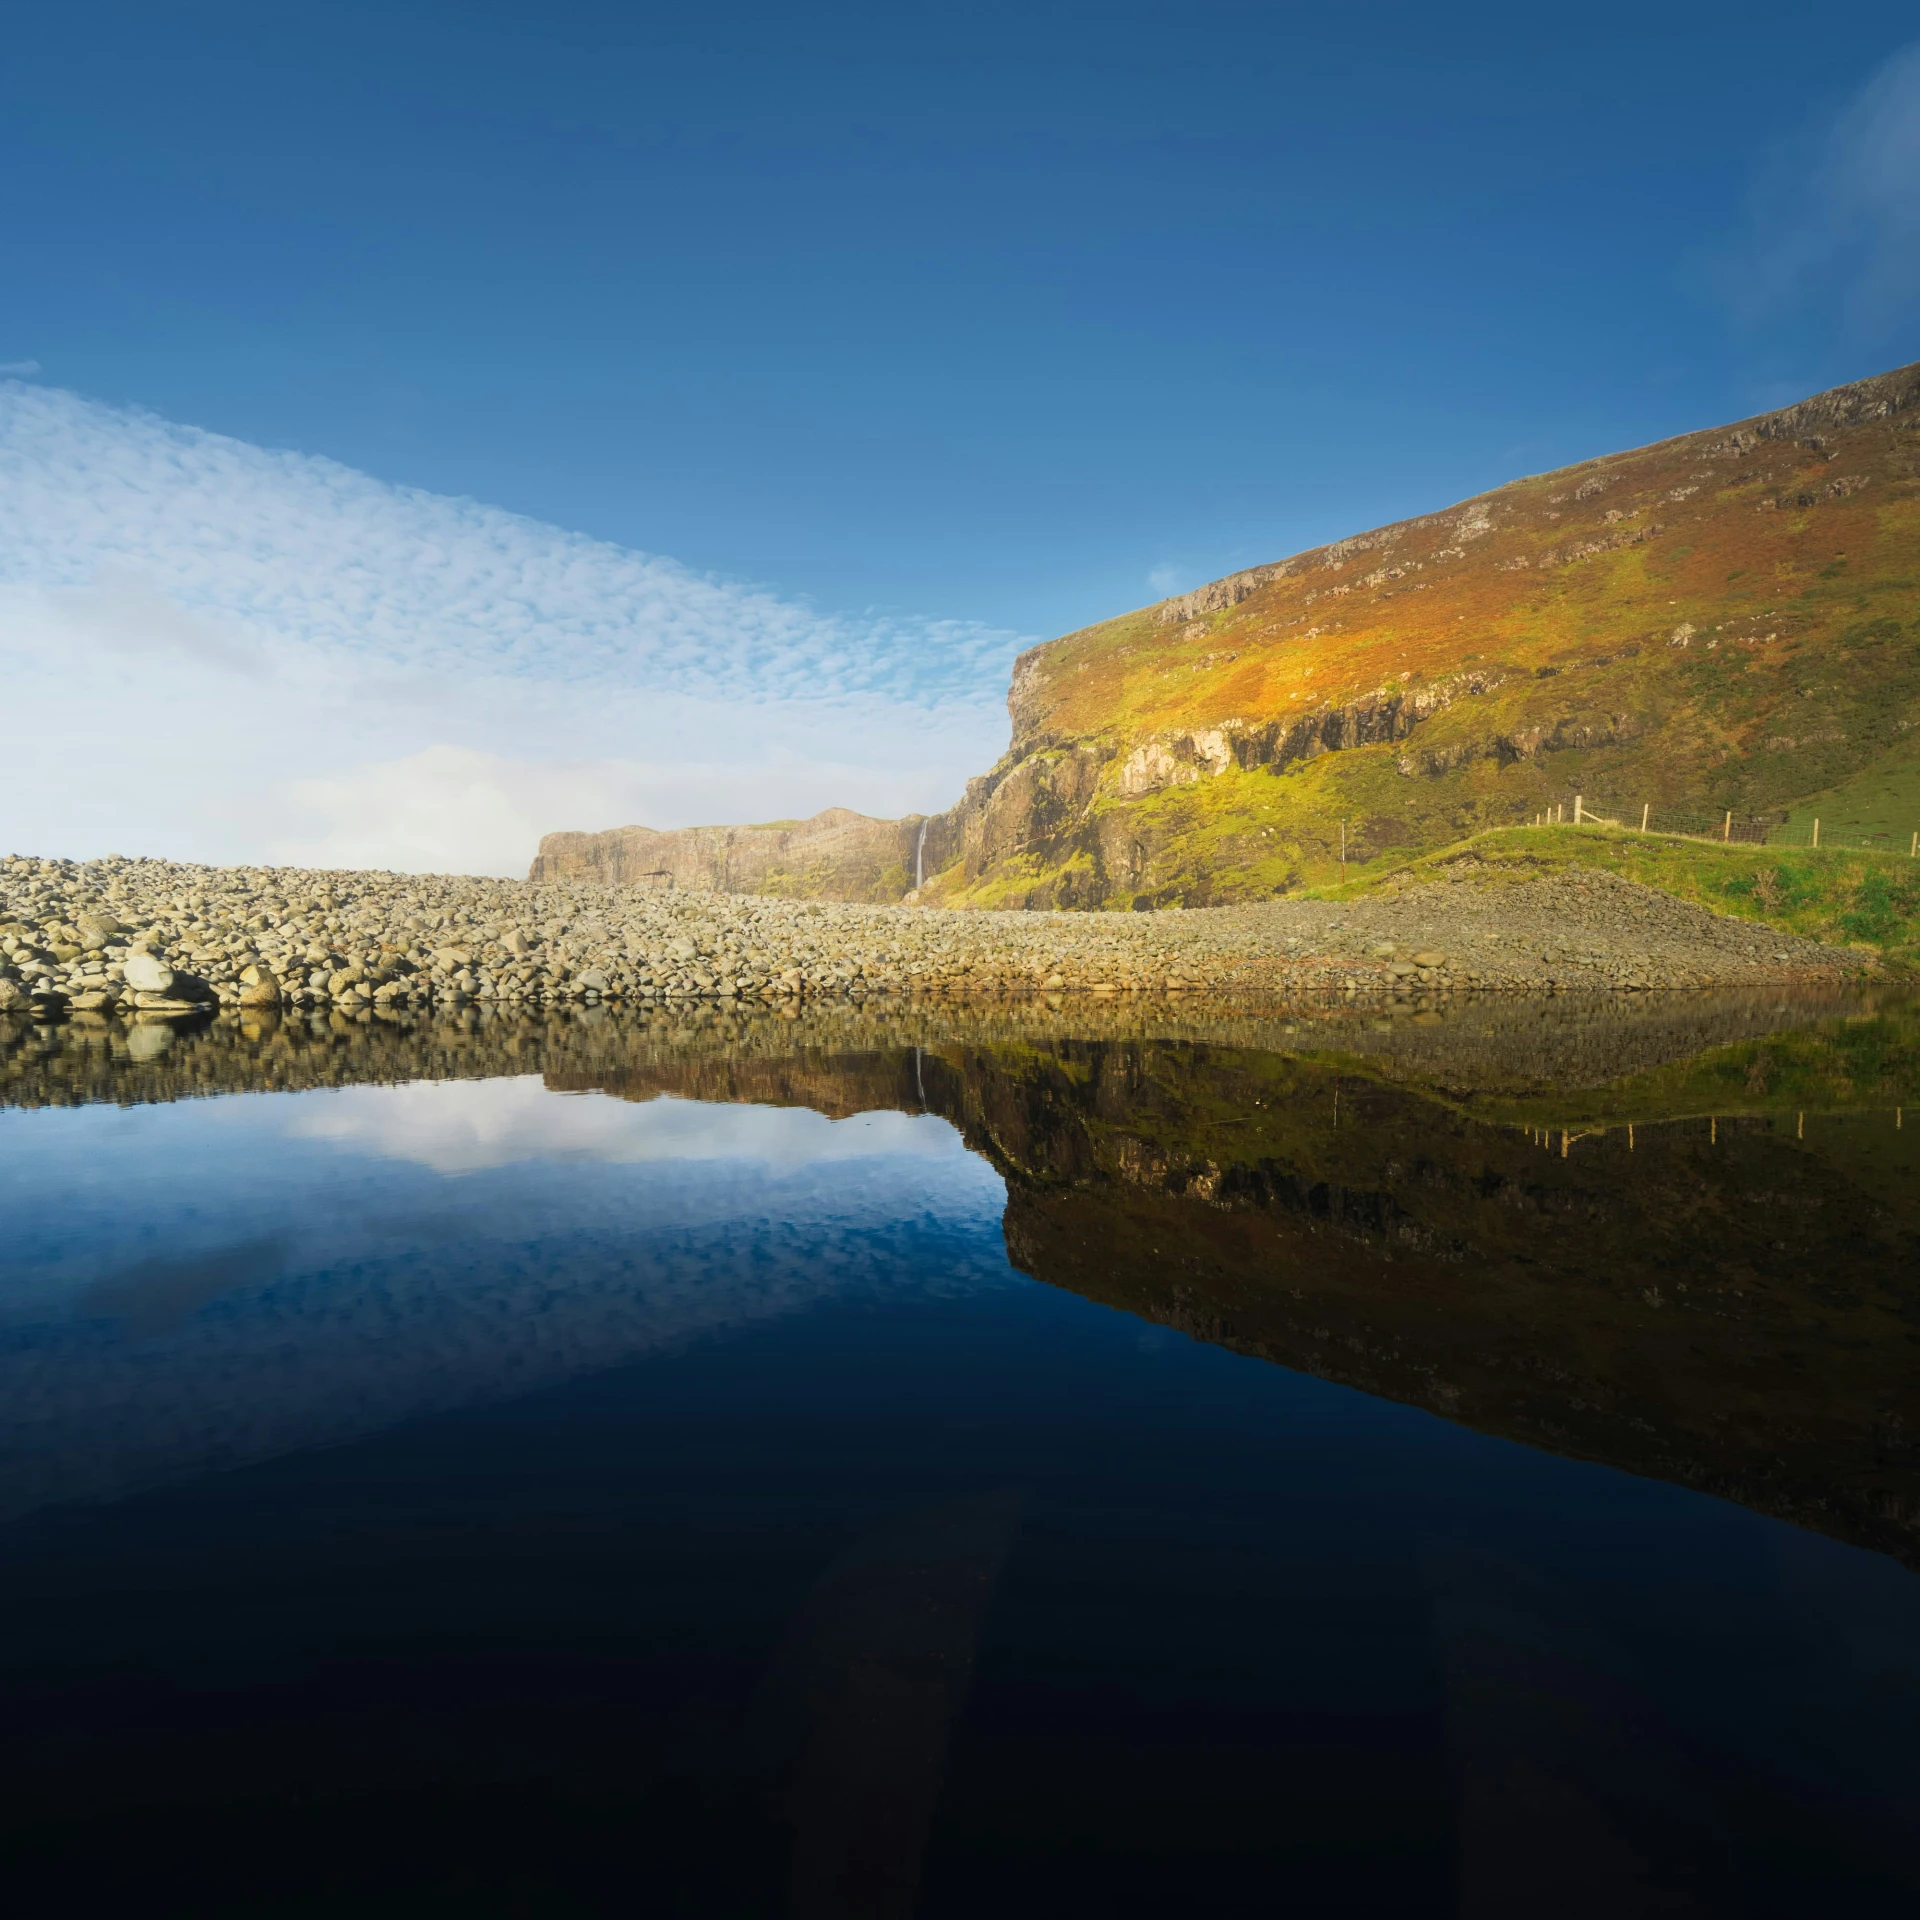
[1731, 1303]
[1723, 1291]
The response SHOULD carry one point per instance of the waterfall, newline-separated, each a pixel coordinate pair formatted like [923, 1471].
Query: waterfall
[919, 857]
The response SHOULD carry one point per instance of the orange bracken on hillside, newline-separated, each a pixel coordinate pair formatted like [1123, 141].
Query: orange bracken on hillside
[1724, 621]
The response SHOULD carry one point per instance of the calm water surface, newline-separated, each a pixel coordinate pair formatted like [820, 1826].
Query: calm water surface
[1118, 1461]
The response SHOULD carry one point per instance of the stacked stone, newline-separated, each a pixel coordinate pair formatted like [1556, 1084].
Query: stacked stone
[146, 937]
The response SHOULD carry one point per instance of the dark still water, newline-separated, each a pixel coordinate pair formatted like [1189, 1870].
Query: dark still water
[1104, 1460]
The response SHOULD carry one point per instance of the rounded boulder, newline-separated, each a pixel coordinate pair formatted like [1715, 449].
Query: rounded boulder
[147, 973]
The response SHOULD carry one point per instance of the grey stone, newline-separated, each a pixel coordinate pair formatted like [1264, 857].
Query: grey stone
[98, 930]
[146, 972]
[259, 987]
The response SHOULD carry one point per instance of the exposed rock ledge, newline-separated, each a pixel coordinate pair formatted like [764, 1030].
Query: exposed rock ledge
[838, 853]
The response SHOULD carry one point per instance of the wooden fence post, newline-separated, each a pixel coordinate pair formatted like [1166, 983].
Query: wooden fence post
[1648, 809]
[1578, 809]
[1816, 833]
[1726, 832]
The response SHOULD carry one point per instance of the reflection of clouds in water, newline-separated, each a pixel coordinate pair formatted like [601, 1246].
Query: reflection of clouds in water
[145, 1336]
[468, 1126]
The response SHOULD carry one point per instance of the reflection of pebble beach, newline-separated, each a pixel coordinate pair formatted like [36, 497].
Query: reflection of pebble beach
[773, 1051]
[127, 937]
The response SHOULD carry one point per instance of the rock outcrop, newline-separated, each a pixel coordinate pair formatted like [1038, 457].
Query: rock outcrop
[836, 855]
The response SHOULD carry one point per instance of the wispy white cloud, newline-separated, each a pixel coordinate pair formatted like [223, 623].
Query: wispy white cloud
[1836, 217]
[19, 369]
[231, 652]
[1166, 579]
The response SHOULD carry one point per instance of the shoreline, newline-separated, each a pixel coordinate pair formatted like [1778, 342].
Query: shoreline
[124, 939]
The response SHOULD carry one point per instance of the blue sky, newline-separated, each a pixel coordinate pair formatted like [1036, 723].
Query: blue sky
[939, 321]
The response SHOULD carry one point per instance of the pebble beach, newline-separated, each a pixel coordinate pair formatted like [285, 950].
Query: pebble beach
[127, 937]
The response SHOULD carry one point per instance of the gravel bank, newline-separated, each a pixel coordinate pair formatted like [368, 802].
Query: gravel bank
[144, 936]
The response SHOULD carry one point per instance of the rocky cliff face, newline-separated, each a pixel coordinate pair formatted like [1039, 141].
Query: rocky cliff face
[1722, 623]
[836, 855]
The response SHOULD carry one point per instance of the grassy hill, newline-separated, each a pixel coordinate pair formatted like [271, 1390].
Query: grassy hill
[1722, 623]
[1854, 896]
[1879, 806]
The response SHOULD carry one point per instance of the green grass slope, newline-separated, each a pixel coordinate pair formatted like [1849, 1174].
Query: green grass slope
[1846, 896]
[1878, 807]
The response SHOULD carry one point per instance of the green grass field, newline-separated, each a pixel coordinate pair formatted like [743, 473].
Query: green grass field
[1844, 896]
[1878, 807]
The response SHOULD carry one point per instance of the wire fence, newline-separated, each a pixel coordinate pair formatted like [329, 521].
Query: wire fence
[1722, 824]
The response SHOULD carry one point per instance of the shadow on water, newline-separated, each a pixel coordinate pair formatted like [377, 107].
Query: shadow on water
[1012, 1603]
[154, 1296]
[866, 1688]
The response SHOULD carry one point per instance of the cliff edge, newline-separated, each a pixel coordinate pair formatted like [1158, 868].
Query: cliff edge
[836, 855]
[1713, 629]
